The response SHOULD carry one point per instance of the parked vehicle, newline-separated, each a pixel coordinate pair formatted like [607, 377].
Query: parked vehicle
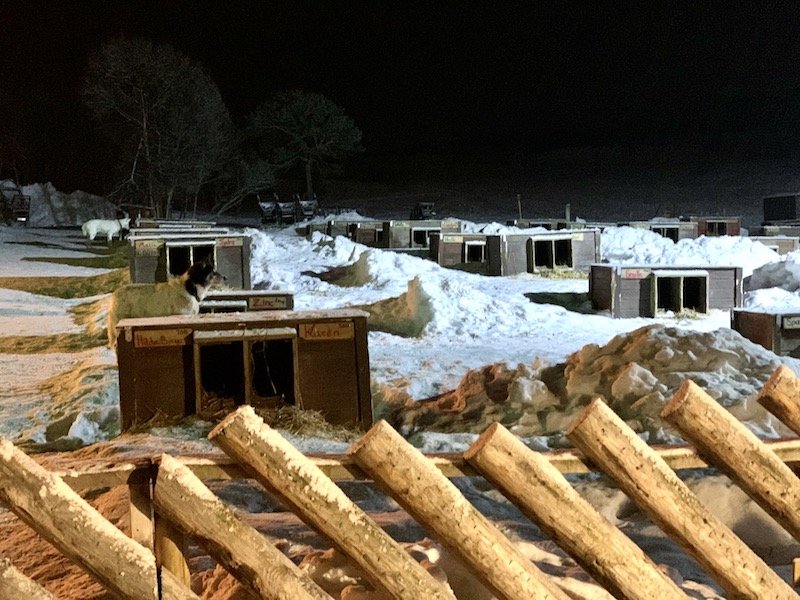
[269, 209]
[305, 209]
[423, 210]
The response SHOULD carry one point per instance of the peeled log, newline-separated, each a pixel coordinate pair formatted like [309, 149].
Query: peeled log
[781, 396]
[436, 503]
[319, 502]
[183, 499]
[14, 584]
[731, 447]
[57, 513]
[532, 483]
[653, 486]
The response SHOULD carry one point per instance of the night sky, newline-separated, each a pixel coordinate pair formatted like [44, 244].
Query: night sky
[425, 77]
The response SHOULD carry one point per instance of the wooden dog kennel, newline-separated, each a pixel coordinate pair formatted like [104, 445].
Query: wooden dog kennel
[181, 365]
[775, 331]
[647, 290]
[155, 258]
[514, 253]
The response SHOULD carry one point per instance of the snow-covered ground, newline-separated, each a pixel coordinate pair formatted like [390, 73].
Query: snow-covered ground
[437, 332]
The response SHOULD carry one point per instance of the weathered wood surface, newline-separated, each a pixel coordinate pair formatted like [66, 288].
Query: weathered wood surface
[341, 467]
[57, 513]
[287, 473]
[650, 483]
[781, 396]
[533, 484]
[736, 451]
[14, 584]
[183, 499]
[427, 495]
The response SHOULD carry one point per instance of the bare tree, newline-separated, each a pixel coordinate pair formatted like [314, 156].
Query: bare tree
[173, 128]
[303, 128]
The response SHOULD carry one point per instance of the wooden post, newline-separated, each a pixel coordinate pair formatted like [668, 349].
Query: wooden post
[14, 584]
[736, 451]
[141, 510]
[57, 513]
[532, 483]
[323, 505]
[170, 550]
[182, 498]
[648, 481]
[781, 396]
[436, 503]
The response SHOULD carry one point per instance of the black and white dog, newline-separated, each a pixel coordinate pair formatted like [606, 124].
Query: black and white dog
[178, 296]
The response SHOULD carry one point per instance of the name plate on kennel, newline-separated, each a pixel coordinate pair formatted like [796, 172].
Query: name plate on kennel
[634, 273]
[340, 330]
[791, 322]
[229, 242]
[452, 239]
[267, 302]
[161, 337]
[148, 247]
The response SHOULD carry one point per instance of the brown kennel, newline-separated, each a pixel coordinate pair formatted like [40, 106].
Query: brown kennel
[648, 290]
[778, 332]
[155, 258]
[514, 253]
[183, 365]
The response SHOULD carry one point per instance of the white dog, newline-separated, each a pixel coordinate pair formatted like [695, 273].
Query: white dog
[178, 296]
[107, 227]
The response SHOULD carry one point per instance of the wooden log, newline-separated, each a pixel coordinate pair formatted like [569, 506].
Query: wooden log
[533, 484]
[781, 396]
[650, 483]
[14, 584]
[51, 508]
[735, 450]
[433, 500]
[182, 498]
[321, 504]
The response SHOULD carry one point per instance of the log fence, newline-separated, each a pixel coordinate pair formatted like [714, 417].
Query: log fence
[170, 504]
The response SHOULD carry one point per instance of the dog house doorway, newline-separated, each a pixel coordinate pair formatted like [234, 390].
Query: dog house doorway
[235, 367]
[474, 251]
[679, 291]
[549, 254]
[667, 231]
[182, 255]
[421, 236]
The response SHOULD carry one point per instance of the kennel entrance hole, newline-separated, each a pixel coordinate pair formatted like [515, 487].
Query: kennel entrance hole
[681, 290]
[235, 367]
[421, 237]
[474, 252]
[671, 233]
[182, 255]
[549, 254]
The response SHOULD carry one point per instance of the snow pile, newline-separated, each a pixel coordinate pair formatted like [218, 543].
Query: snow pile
[49, 207]
[633, 245]
[635, 373]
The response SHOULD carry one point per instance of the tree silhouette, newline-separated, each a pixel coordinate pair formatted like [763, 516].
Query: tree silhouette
[303, 128]
[173, 131]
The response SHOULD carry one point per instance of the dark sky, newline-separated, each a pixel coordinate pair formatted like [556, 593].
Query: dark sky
[429, 76]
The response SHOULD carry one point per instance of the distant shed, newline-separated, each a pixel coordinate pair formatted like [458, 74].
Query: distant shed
[717, 226]
[629, 291]
[782, 244]
[459, 249]
[783, 207]
[673, 229]
[514, 253]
